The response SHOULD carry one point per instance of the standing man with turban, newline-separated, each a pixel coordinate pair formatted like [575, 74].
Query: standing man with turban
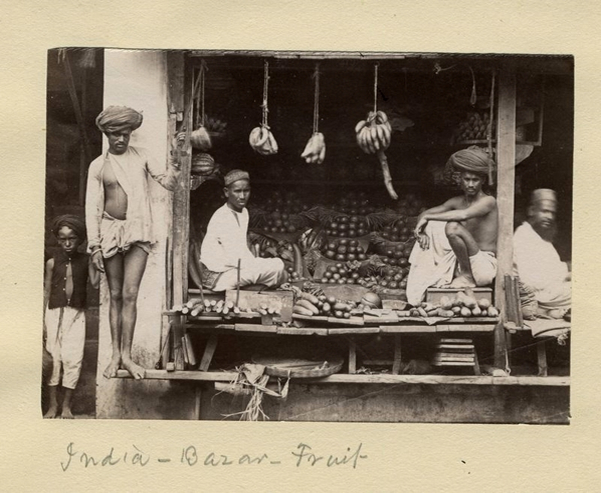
[119, 224]
[536, 260]
[225, 243]
[459, 236]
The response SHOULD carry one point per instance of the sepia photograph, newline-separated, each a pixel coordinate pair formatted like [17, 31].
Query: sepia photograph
[317, 236]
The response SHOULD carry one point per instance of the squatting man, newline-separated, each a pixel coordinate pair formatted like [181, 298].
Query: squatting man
[457, 241]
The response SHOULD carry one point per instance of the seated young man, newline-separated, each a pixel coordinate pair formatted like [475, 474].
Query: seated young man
[225, 244]
[457, 241]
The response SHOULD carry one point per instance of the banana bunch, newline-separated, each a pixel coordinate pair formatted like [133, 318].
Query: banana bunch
[315, 150]
[262, 141]
[215, 125]
[373, 134]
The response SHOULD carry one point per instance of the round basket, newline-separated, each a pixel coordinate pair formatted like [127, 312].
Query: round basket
[299, 367]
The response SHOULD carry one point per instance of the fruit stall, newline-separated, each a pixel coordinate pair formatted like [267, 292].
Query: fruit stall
[344, 151]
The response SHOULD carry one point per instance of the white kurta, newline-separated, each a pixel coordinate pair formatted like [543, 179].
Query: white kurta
[539, 267]
[225, 243]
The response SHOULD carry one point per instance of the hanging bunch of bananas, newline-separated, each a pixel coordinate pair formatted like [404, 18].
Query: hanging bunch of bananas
[373, 134]
[315, 150]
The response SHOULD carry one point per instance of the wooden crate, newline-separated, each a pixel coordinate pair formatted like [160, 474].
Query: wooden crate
[433, 295]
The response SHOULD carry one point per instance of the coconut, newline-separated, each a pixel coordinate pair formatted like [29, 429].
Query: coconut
[372, 300]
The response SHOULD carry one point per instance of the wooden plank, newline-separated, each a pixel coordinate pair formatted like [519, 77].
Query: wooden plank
[460, 347]
[407, 329]
[180, 94]
[506, 118]
[313, 318]
[302, 331]
[335, 331]
[352, 356]
[346, 321]
[396, 365]
[197, 401]
[452, 363]
[541, 357]
[256, 328]
[218, 376]
[208, 353]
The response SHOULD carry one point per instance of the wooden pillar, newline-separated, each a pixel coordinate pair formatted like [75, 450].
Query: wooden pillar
[178, 99]
[506, 118]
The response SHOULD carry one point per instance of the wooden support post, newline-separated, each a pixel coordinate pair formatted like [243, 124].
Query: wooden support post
[352, 355]
[197, 400]
[208, 353]
[541, 356]
[506, 119]
[396, 364]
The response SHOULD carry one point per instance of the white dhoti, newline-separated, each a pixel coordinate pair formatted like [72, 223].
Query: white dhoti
[66, 336]
[267, 271]
[433, 267]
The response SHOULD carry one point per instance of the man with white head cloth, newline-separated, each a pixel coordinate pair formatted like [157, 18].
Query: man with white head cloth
[536, 260]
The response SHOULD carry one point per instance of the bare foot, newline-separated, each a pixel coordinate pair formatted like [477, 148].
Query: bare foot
[51, 413]
[111, 369]
[134, 369]
[463, 281]
[67, 414]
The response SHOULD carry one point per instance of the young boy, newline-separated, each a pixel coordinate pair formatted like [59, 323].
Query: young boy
[65, 282]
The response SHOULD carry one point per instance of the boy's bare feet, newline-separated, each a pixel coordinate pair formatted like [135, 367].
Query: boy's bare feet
[134, 369]
[51, 413]
[66, 413]
[113, 366]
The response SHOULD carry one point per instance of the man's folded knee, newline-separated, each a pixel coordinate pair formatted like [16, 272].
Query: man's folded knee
[452, 228]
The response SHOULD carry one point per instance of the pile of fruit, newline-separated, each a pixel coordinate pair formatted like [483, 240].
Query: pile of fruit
[397, 232]
[311, 305]
[461, 305]
[285, 202]
[474, 127]
[390, 278]
[347, 227]
[195, 307]
[409, 206]
[344, 250]
[340, 274]
[355, 203]
[278, 222]
[397, 255]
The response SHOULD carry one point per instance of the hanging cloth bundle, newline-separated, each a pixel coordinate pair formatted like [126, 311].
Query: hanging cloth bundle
[261, 139]
[373, 137]
[200, 138]
[315, 150]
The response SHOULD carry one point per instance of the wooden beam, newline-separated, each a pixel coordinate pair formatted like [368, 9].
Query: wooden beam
[223, 376]
[506, 118]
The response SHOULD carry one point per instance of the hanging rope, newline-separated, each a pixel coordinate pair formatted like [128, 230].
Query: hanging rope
[265, 93]
[489, 129]
[473, 97]
[316, 100]
[200, 96]
[376, 87]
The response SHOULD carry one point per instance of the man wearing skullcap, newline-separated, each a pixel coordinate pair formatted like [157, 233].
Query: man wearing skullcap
[65, 288]
[225, 244]
[536, 260]
[119, 223]
[457, 241]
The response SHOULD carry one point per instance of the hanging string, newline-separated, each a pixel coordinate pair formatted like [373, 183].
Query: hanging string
[489, 129]
[316, 100]
[473, 97]
[376, 87]
[265, 93]
[203, 70]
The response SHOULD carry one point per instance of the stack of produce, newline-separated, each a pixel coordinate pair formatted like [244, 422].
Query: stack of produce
[195, 307]
[347, 227]
[285, 202]
[340, 274]
[462, 305]
[310, 305]
[394, 278]
[344, 250]
[397, 232]
[278, 222]
[474, 127]
[355, 203]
